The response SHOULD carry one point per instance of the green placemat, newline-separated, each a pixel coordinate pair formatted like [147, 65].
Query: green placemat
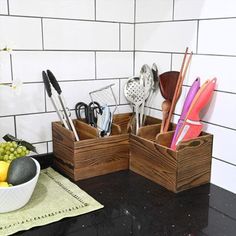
[54, 198]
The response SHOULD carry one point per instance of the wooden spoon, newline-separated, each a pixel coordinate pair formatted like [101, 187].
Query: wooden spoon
[167, 84]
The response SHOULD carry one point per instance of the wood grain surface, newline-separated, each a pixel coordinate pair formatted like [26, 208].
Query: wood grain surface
[147, 153]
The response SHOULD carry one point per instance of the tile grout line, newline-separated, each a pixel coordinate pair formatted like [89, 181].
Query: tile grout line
[95, 10]
[95, 64]
[15, 127]
[173, 10]
[8, 8]
[197, 36]
[69, 19]
[42, 34]
[134, 39]
[119, 36]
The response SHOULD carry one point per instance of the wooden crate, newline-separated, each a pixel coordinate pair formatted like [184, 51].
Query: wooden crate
[188, 167]
[91, 156]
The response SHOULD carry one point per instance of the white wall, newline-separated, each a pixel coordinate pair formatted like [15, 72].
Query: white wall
[163, 29]
[87, 44]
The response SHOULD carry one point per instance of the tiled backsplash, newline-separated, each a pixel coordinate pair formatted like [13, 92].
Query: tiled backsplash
[207, 28]
[87, 44]
[90, 43]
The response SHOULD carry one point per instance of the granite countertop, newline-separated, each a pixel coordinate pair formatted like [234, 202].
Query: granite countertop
[137, 206]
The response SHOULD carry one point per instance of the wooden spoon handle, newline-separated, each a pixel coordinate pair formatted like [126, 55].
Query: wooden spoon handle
[165, 111]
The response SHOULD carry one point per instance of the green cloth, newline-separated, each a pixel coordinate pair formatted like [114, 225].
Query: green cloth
[54, 198]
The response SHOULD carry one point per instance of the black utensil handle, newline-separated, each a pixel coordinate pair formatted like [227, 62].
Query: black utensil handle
[47, 84]
[54, 82]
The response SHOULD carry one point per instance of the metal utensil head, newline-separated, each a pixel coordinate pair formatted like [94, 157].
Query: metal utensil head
[134, 91]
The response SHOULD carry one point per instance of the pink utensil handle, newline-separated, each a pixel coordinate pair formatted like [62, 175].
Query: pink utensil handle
[187, 103]
[202, 100]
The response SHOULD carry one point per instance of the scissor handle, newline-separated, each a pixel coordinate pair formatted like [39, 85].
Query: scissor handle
[78, 107]
[54, 82]
[47, 84]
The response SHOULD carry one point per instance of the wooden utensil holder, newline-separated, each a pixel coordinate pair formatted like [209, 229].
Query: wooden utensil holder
[146, 153]
[91, 156]
[185, 168]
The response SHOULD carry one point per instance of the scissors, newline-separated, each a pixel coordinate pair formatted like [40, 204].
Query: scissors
[88, 112]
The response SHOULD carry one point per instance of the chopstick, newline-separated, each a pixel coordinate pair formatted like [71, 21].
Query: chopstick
[178, 88]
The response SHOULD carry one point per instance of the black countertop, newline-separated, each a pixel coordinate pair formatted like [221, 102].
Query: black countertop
[136, 206]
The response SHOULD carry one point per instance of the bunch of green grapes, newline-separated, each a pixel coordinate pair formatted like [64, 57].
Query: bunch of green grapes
[11, 150]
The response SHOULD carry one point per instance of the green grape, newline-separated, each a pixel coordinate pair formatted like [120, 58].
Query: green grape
[14, 144]
[7, 147]
[24, 148]
[12, 149]
[1, 150]
[5, 158]
[19, 150]
[11, 157]
[27, 152]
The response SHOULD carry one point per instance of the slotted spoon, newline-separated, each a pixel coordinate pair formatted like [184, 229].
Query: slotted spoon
[134, 93]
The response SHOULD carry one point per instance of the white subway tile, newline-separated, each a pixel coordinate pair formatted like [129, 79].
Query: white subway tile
[41, 148]
[112, 10]
[50, 147]
[223, 175]
[123, 109]
[155, 113]
[208, 67]
[154, 10]
[217, 37]
[223, 142]
[127, 37]
[192, 9]
[30, 100]
[20, 32]
[65, 65]
[5, 67]
[6, 127]
[162, 61]
[221, 109]
[78, 35]
[78, 91]
[218, 111]
[114, 64]
[35, 128]
[3, 7]
[166, 36]
[75, 9]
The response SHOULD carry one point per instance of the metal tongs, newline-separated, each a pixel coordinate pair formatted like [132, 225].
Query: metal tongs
[58, 102]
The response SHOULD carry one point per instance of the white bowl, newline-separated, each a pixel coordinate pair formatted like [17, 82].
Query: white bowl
[15, 197]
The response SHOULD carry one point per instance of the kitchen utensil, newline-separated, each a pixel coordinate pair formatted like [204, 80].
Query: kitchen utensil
[104, 121]
[134, 93]
[64, 113]
[167, 84]
[177, 93]
[190, 96]
[146, 78]
[192, 126]
[105, 96]
[88, 111]
[153, 89]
